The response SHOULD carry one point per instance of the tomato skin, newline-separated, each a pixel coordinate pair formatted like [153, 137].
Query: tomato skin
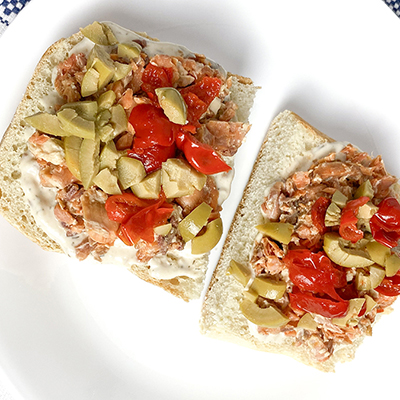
[318, 211]
[390, 286]
[385, 223]
[314, 272]
[199, 96]
[152, 127]
[137, 217]
[348, 222]
[200, 156]
[120, 207]
[152, 157]
[325, 307]
[154, 77]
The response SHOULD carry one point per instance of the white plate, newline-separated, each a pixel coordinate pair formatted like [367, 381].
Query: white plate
[88, 331]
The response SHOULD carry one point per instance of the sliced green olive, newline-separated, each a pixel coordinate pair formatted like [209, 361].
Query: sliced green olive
[163, 230]
[107, 182]
[89, 161]
[376, 275]
[268, 288]
[333, 214]
[149, 187]
[241, 272]
[392, 265]
[365, 189]
[378, 252]
[171, 101]
[339, 199]
[207, 241]
[250, 295]
[102, 119]
[90, 82]
[351, 318]
[105, 133]
[106, 100]
[129, 51]
[85, 109]
[280, 231]
[46, 123]
[130, 171]
[76, 125]
[268, 317]
[334, 247]
[99, 33]
[72, 146]
[192, 224]
[307, 322]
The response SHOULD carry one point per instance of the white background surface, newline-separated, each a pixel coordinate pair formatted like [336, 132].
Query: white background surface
[73, 330]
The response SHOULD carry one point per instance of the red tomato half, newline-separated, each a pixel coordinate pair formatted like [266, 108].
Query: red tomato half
[326, 308]
[200, 156]
[348, 222]
[385, 223]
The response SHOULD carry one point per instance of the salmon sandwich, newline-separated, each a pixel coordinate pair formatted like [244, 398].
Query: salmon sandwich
[311, 259]
[122, 150]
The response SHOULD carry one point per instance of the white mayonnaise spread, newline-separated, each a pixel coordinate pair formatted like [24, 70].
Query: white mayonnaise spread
[42, 200]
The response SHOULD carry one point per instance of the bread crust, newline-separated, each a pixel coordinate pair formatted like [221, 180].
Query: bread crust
[221, 317]
[13, 204]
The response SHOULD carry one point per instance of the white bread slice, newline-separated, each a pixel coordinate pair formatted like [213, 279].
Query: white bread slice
[288, 137]
[13, 203]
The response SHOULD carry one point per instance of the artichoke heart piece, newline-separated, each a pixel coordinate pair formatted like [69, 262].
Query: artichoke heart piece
[46, 123]
[75, 125]
[171, 101]
[72, 146]
[101, 61]
[90, 82]
[392, 265]
[280, 231]
[268, 317]
[129, 51]
[99, 33]
[149, 187]
[339, 199]
[192, 224]
[351, 318]
[106, 100]
[378, 252]
[107, 182]
[365, 189]
[332, 215]
[207, 241]
[118, 119]
[85, 109]
[89, 161]
[130, 171]
[241, 272]
[335, 249]
[307, 322]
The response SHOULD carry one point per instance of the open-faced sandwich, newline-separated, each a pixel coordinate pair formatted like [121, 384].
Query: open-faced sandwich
[122, 150]
[310, 261]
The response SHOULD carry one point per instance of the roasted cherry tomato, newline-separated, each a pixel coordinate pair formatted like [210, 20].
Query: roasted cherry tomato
[325, 307]
[318, 212]
[199, 96]
[152, 127]
[385, 223]
[200, 156]
[121, 207]
[137, 217]
[152, 157]
[390, 286]
[314, 272]
[154, 77]
[348, 222]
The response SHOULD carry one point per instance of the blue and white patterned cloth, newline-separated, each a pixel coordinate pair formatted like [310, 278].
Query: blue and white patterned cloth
[394, 5]
[9, 9]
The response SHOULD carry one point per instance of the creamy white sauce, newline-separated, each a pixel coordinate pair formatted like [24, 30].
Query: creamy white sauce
[42, 200]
